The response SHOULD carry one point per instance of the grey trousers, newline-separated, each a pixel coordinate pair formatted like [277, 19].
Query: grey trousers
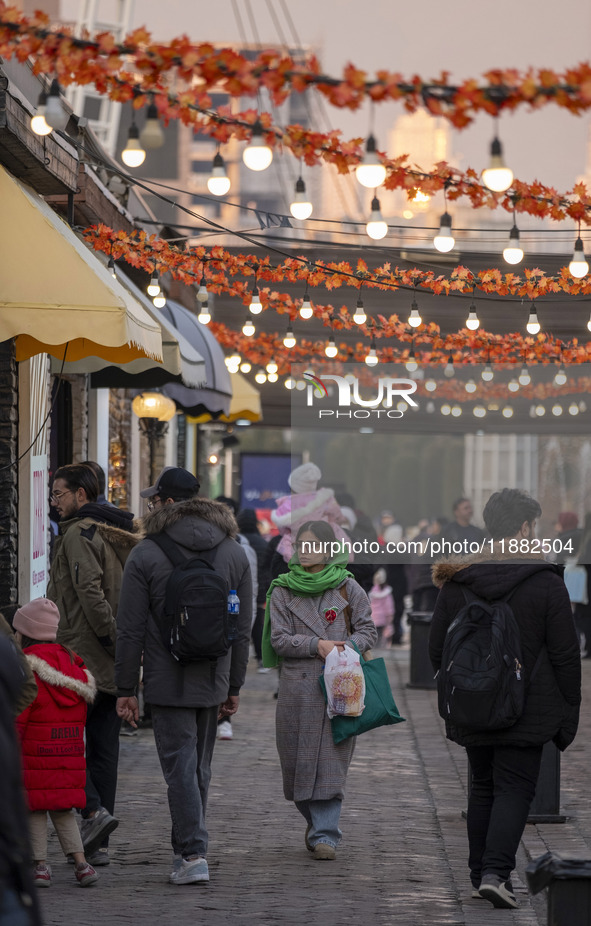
[185, 737]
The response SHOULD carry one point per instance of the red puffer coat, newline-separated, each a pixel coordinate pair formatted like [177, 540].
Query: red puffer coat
[51, 729]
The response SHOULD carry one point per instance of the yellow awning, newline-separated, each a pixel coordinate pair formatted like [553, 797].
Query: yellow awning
[56, 291]
[245, 403]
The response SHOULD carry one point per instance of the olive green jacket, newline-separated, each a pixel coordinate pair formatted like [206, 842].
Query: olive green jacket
[84, 582]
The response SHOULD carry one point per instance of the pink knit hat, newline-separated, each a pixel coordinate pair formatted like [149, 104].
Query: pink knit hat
[38, 619]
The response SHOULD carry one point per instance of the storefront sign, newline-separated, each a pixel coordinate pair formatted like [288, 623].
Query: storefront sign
[39, 526]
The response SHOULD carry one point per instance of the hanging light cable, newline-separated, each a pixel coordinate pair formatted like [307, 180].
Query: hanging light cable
[578, 266]
[257, 155]
[497, 176]
[513, 253]
[218, 182]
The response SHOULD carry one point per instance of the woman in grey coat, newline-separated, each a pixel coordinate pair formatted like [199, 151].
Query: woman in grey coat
[306, 618]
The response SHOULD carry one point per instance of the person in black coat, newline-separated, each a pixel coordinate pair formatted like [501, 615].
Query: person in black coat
[505, 763]
[249, 527]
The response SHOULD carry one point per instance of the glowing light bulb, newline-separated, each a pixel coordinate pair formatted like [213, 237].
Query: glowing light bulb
[218, 182]
[372, 358]
[376, 228]
[271, 367]
[488, 372]
[152, 135]
[557, 410]
[449, 368]
[456, 411]
[414, 319]
[472, 322]
[154, 284]
[573, 409]
[578, 265]
[411, 364]
[257, 155]
[55, 114]
[301, 207]
[561, 376]
[255, 301]
[133, 155]
[159, 300]
[479, 411]
[371, 173]
[331, 349]
[248, 328]
[111, 267]
[360, 317]
[513, 386]
[38, 123]
[204, 314]
[430, 385]
[289, 339]
[272, 377]
[513, 253]
[497, 176]
[444, 240]
[289, 383]
[306, 310]
[446, 409]
[524, 377]
[470, 386]
[533, 325]
[245, 367]
[261, 377]
[507, 412]
[540, 411]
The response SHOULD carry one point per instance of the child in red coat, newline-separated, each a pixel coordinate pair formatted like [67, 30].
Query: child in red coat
[51, 732]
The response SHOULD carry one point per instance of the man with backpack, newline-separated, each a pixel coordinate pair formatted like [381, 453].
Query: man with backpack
[504, 646]
[174, 610]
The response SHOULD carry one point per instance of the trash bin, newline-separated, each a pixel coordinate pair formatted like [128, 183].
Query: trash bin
[569, 887]
[421, 670]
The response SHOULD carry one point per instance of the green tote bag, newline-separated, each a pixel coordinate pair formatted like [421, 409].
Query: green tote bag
[380, 708]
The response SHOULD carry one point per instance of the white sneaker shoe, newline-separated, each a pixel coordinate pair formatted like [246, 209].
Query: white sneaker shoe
[189, 871]
[225, 731]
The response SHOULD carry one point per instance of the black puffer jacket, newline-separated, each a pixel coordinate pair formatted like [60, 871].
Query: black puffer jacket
[542, 609]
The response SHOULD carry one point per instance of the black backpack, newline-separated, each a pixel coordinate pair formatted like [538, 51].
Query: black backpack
[195, 624]
[480, 683]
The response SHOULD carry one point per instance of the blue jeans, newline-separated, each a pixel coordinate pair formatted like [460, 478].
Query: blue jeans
[323, 816]
[185, 737]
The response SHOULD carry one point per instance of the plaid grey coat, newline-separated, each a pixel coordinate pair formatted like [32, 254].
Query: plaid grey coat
[313, 767]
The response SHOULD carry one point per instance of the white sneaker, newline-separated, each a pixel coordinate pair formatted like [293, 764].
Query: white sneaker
[189, 871]
[225, 731]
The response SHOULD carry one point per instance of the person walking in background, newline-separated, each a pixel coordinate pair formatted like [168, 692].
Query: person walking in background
[461, 529]
[306, 502]
[505, 762]
[99, 472]
[51, 732]
[382, 606]
[304, 621]
[186, 698]
[18, 903]
[85, 578]
[249, 528]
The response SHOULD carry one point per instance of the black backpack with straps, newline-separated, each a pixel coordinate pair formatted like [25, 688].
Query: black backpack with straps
[195, 624]
[480, 683]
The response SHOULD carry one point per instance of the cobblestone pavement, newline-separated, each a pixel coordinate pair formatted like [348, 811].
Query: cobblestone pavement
[402, 859]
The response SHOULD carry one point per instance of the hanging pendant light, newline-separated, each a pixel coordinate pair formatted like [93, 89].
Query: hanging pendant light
[255, 300]
[372, 358]
[414, 319]
[248, 328]
[202, 294]
[578, 266]
[159, 300]
[376, 228]
[257, 155]
[488, 372]
[449, 367]
[533, 325]
[204, 314]
[411, 364]
[289, 339]
[444, 240]
[524, 377]
[371, 173]
[55, 114]
[360, 317]
[513, 253]
[331, 349]
[306, 310]
[154, 284]
[218, 182]
[472, 322]
[301, 207]
[152, 136]
[133, 155]
[497, 176]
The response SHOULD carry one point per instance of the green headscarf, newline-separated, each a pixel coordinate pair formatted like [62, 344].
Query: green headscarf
[304, 583]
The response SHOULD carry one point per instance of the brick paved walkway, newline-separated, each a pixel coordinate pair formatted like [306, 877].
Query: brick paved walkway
[403, 856]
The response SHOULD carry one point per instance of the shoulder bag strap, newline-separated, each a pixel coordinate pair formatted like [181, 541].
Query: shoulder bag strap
[348, 624]
[171, 550]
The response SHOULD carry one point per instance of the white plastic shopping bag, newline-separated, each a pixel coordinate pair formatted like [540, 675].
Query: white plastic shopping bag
[345, 683]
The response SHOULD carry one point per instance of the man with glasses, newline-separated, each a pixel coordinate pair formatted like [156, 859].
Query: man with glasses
[186, 699]
[85, 579]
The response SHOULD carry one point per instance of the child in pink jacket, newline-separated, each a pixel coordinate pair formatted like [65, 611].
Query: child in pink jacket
[382, 606]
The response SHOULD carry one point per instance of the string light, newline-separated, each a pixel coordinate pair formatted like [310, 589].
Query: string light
[331, 349]
[159, 300]
[289, 340]
[533, 325]
[589, 324]
[272, 377]
[271, 367]
[488, 372]
[513, 386]
[248, 328]
[152, 135]
[218, 182]
[301, 207]
[204, 314]
[411, 364]
[446, 409]
[540, 410]
[479, 411]
[456, 411]
[557, 410]
[444, 240]
[507, 412]
[573, 409]
[260, 377]
[414, 319]
[245, 367]
[360, 317]
[524, 377]
[561, 377]
[497, 176]
[111, 267]
[289, 383]
[578, 266]
[513, 253]
[255, 300]
[372, 358]
[430, 385]
[472, 322]
[449, 368]
[257, 155]
[470, 386]
[306, 310]
[376, 228]
[202, 294]
[38, 123]
[154, 285]
[133, 155]
[371, 173]
[55, 114]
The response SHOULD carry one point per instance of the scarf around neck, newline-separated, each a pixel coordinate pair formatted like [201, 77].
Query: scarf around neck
[306, 584]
